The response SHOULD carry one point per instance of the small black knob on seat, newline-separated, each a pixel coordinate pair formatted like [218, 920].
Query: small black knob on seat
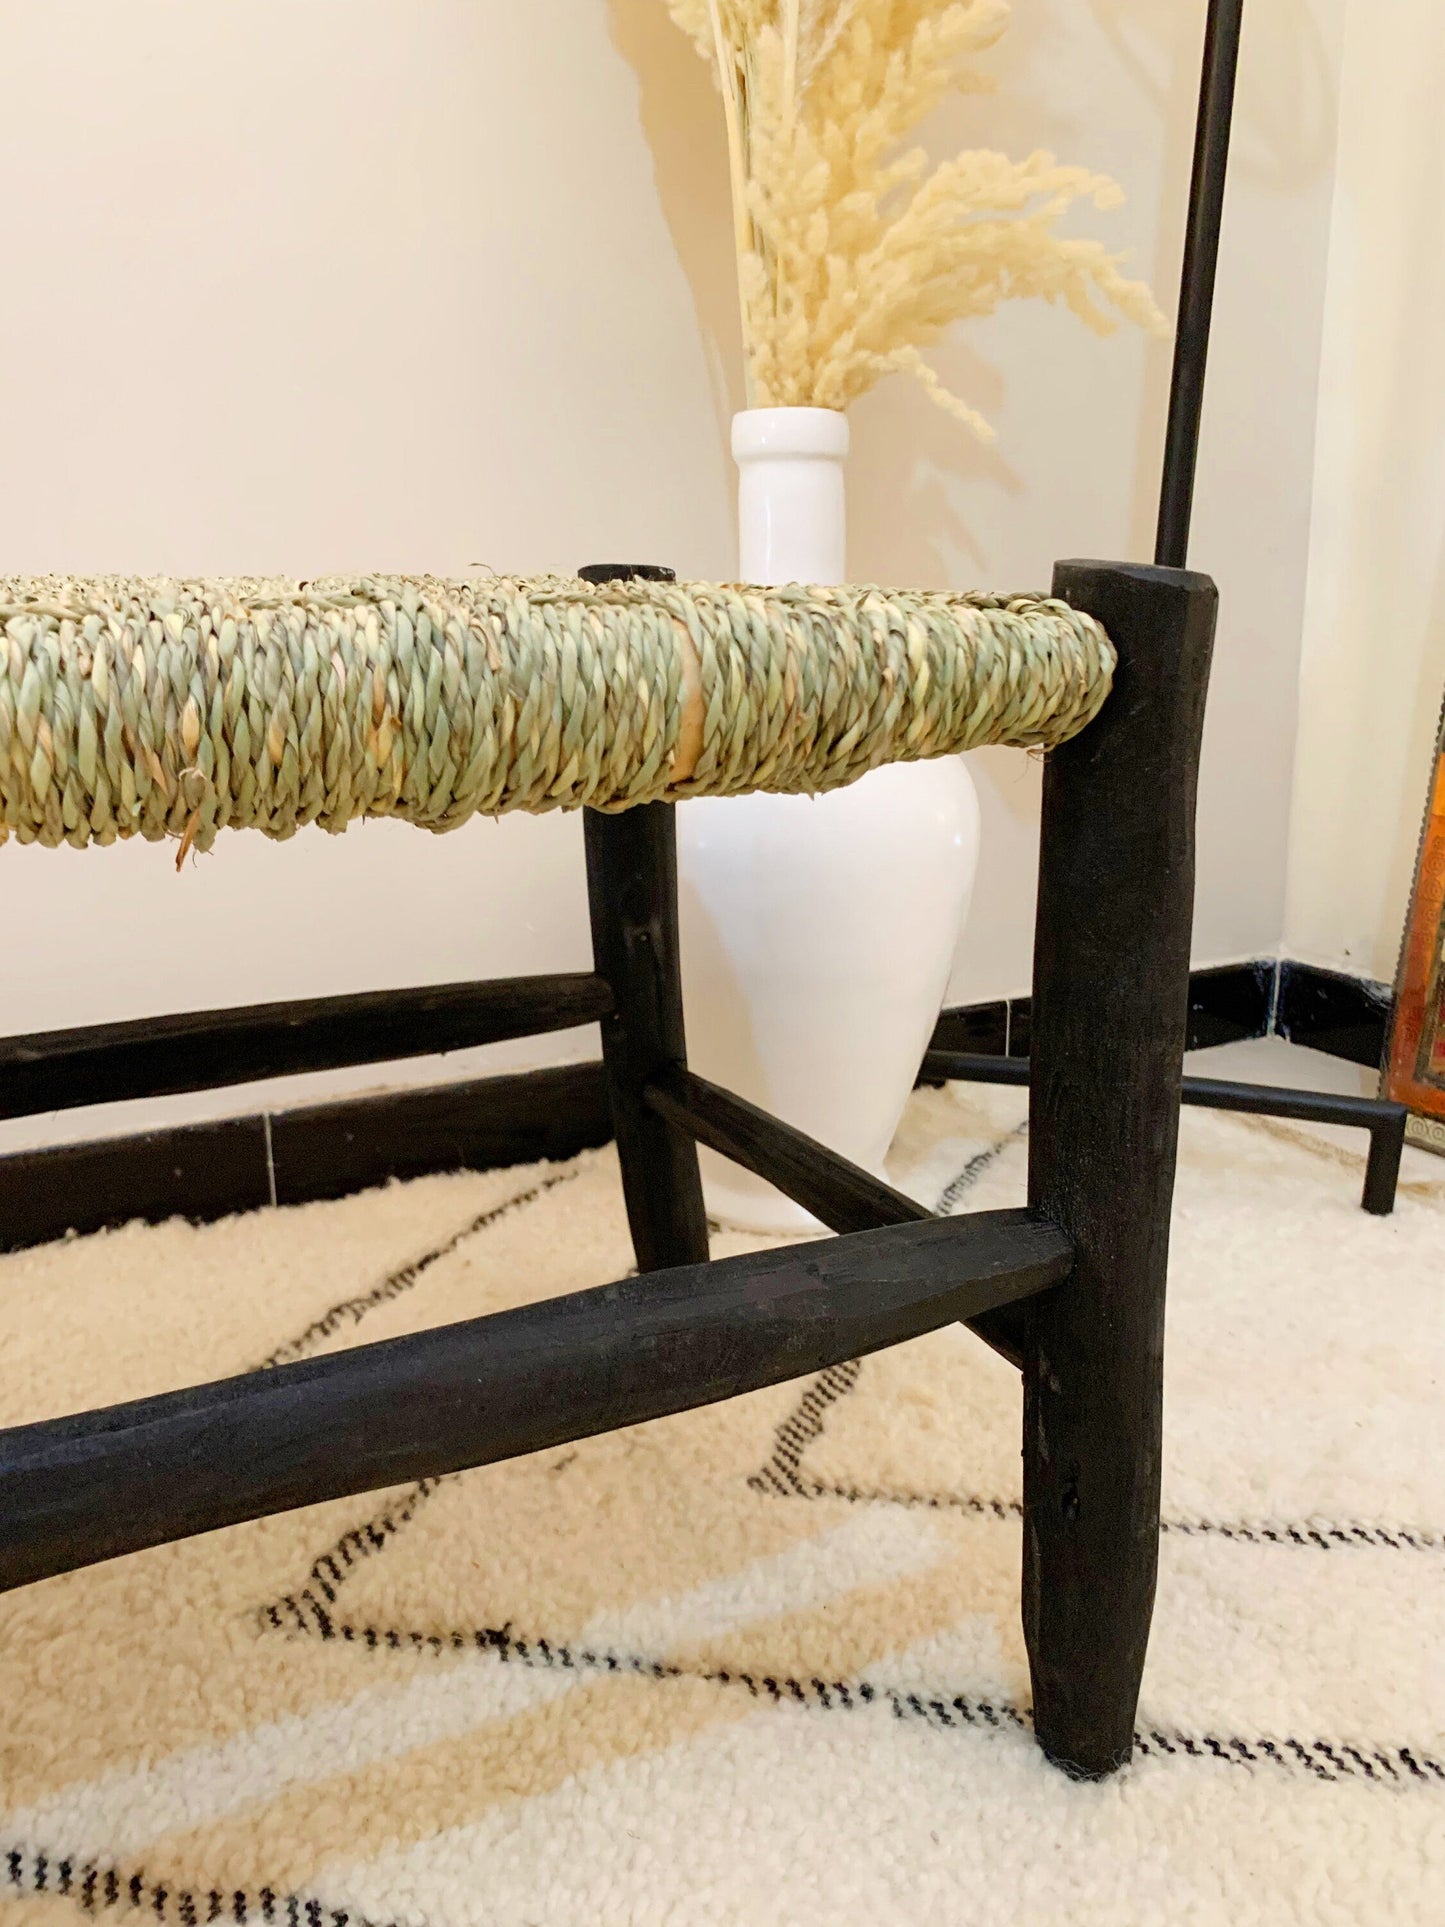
[626, 572]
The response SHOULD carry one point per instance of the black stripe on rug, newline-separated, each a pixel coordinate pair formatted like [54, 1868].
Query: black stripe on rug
[782, 1473]
[1316, 1534]
[406, 1276]
[805, 1423]
[95, 1885]
[980, 1162]
[331, 1569]
[801, 1427]
[1325, 1759]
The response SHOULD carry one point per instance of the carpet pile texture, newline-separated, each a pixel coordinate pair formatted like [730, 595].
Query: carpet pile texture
[760, 1663]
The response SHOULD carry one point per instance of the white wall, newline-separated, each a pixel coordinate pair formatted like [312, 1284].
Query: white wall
[1374, 646]
[304, 285]
[320, 284]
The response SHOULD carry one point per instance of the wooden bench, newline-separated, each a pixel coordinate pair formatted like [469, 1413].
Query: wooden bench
[1070, 1289]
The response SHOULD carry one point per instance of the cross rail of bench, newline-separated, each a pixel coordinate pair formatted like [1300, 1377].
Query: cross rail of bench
[92, 1486]
[842, 1195]
[209, 1049]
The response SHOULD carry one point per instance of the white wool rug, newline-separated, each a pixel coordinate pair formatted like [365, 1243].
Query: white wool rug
[760, 1663]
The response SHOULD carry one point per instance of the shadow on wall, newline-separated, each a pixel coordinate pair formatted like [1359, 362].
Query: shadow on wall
[1285, 104]
[682, 119]
[1282, 138]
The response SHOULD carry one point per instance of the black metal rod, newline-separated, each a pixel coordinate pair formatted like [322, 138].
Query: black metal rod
[1384, 1120]
[974, 1067]
[1382, 1167]
[841, 1195]
[1196, 287]
[1312, 1107]
[1211, 1093]
[206, 1049]
[89, 1487]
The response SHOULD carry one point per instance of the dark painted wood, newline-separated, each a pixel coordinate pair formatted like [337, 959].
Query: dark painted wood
[632, 899]
[80, 1489]
[840, 1195]
[632, 891]
[199, 1171]
[1229, 1004]
[627, 571]
[1110, 999]
[977, 1028]
[631, 885]
[1326, 1010]
[1020, 1026]
[1384, 1120]
[204, 1050]
[330, 1150]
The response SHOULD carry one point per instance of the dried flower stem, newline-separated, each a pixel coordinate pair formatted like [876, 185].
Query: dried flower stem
[852, 257]
[726, 68]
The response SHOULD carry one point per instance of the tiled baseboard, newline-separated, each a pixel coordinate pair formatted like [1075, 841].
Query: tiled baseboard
[207, 1171]
[1344, 1016]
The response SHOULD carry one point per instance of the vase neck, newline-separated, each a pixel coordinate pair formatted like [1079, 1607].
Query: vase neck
[792, 520]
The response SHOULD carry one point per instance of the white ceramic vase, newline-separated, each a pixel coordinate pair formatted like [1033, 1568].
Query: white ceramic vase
[817, 932]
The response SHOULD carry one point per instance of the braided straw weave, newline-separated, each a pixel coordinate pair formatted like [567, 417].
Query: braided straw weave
[167, 708]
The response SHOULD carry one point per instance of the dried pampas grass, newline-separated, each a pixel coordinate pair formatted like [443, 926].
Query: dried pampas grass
[852, 255]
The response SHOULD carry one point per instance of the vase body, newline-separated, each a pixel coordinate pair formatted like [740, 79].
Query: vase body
[817, 932]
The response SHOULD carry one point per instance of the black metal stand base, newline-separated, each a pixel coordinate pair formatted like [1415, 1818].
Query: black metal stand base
[1385, 1121]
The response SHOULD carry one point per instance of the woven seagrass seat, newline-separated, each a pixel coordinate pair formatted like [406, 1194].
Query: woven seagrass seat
[153, 708]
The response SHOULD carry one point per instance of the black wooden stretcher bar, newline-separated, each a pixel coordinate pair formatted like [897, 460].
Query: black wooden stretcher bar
[838, 1193]
[210, 1049]
[1070, 1289]
[76, 1490]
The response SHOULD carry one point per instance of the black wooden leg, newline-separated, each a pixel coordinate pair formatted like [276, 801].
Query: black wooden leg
[632, 893]
[1111, 985]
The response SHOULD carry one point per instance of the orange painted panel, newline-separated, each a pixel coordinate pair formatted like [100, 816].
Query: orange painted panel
[1416, 1072]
